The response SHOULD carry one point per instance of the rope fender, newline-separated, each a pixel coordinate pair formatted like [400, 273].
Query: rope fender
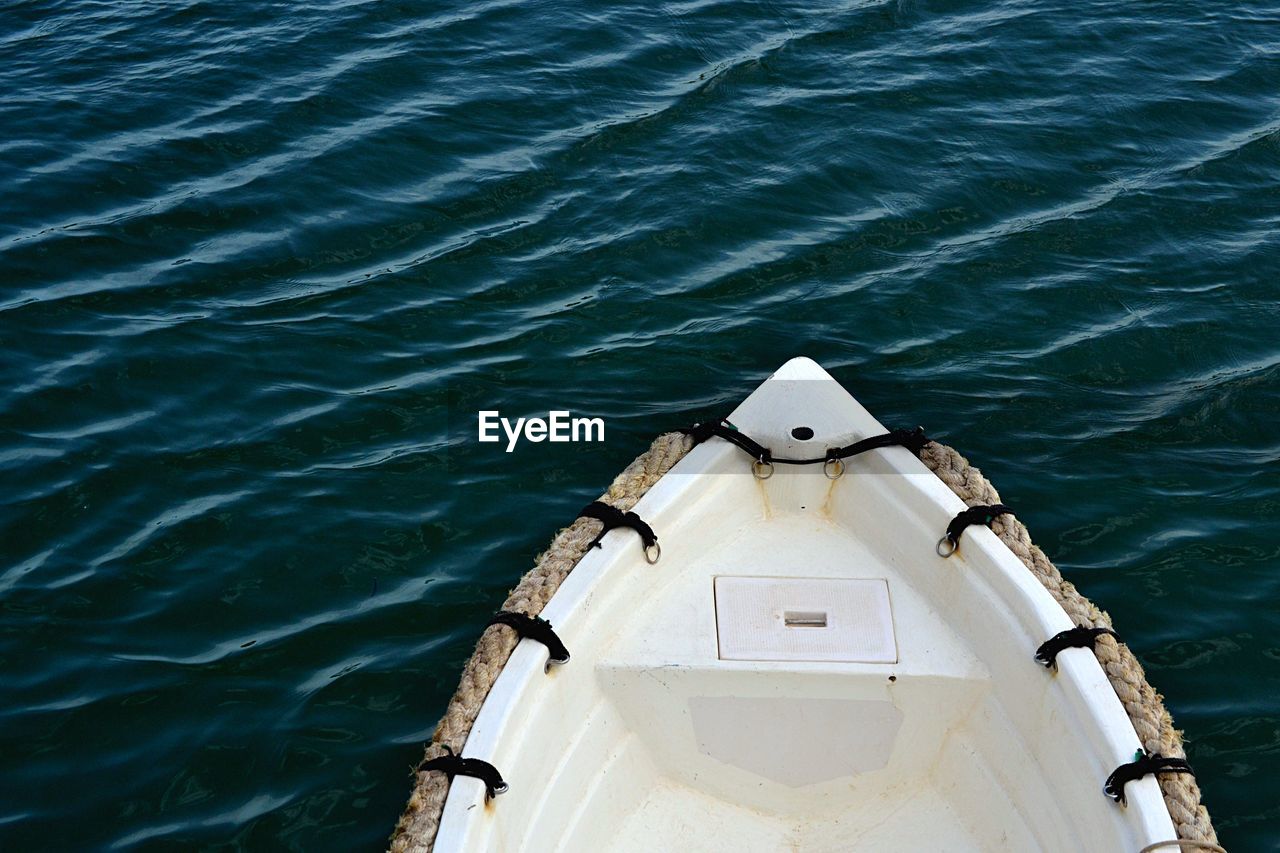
[1143, 763]
[1145, 707]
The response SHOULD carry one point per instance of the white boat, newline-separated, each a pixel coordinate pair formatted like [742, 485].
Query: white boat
[801, 670]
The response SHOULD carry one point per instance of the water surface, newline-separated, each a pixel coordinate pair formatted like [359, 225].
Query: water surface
[260, 264]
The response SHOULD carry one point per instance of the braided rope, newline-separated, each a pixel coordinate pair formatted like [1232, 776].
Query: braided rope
[416, 830]
[1143, 704]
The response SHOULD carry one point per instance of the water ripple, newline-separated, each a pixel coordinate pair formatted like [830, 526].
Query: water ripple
[261, 264]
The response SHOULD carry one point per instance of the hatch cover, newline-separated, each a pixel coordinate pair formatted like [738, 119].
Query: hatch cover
[845, 620]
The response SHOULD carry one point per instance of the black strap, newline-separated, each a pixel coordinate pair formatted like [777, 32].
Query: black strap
[455, 765]
[912, 439]
[611, 517]
[1072, 638]
[534, 628]
[973, 515]
[1142, 764]
[729, 432]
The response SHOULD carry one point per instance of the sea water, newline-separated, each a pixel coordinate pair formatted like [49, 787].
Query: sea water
[262, 264]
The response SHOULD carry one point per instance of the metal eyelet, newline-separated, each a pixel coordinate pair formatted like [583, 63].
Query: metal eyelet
[951, 549]
[836, 464]
[657, 553]
[760, 465]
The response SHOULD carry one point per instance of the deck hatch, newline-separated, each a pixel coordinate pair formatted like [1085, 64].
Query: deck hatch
[847, 620]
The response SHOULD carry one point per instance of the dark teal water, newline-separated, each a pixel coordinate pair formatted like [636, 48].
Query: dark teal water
[261, 263]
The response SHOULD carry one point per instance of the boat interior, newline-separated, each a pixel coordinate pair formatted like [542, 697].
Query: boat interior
[801, 670]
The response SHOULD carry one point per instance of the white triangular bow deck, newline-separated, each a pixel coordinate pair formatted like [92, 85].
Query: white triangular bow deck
[801, 671]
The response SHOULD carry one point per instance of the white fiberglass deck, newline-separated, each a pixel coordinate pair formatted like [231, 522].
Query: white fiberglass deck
[941, 734]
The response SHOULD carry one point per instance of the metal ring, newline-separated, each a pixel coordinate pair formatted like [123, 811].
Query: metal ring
[946, 540]
[657, 552]
[756, 467]
[501, 789]
[553, 662]
[826, 468]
